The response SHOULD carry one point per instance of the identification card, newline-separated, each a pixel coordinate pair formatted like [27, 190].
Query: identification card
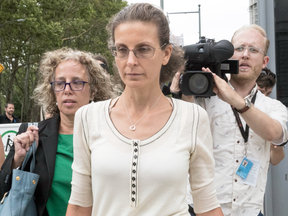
[244, 168]
[253, 174]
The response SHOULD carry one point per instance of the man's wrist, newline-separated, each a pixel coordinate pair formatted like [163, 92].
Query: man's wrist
[245, 107]
[177, 95]
[241, 105]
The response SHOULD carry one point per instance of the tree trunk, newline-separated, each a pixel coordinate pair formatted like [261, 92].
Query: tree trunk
[10, 89]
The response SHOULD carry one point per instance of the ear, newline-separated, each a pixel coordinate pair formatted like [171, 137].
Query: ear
[265, 61]
[167, 54]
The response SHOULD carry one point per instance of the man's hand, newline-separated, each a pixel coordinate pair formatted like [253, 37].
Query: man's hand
[175, 88]
[277, 154]
[225, 92]
[175, 83]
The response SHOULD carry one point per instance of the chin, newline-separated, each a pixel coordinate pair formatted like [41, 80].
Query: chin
[70, 112]
[241, 78]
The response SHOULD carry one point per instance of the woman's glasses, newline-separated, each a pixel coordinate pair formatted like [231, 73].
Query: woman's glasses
[74, 85]
[143, 52]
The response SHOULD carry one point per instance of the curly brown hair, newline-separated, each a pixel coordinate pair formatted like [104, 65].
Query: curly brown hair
[99, 82]
[266, 79]
[145, 12]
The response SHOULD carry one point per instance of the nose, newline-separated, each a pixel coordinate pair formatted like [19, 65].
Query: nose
[132, 60]
[245, 52]
[67, 88]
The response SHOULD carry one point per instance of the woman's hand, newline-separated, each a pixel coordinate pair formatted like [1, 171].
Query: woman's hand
[22, 143]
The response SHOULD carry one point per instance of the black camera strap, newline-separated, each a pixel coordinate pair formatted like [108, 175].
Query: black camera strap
[245, 134]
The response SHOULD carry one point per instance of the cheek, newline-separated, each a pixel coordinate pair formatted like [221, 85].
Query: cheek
[85, 96]
[57, 96]
[235, 57]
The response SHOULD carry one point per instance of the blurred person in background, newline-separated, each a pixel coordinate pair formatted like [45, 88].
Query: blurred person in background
[266, 81]
[8, 117]
[102, 60]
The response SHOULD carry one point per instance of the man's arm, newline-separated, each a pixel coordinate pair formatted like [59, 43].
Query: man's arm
[277, 154]
[262, 124]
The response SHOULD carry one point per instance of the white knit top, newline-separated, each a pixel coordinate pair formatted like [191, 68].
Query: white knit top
[121, 176]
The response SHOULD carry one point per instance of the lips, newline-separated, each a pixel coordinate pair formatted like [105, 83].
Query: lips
[133, 74]
[244, 66]
[69, 102]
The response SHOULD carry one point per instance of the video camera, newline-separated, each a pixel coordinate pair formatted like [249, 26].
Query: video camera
[209, 54]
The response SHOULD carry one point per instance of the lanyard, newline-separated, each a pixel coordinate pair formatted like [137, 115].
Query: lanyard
[245, 134]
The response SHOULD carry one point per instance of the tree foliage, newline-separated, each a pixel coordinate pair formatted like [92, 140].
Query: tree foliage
[29, 28]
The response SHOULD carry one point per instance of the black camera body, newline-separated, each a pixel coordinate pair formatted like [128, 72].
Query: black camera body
[209, 54]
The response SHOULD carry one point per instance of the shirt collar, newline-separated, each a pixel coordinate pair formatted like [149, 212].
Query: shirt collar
[252, 93]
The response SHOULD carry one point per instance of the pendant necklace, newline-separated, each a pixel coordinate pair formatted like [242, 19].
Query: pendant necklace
[133, 126]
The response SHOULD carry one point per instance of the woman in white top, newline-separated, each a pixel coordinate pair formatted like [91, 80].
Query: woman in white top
[132, 154]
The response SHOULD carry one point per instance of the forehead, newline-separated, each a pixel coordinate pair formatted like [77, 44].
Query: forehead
[249, 37]
[70, 69]
[136, 32]
[10, 106]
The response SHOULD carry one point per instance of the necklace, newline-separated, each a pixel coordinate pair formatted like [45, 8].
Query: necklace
[133, 126]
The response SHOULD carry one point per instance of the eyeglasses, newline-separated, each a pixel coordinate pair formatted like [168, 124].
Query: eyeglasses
[252, 50]
[74, 85]
[143, 52]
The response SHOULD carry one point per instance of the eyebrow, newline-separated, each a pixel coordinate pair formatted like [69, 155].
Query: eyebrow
[249, 45]
[137, 45]
[73, 79]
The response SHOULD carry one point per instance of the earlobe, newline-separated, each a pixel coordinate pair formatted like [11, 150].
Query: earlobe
[167, 54]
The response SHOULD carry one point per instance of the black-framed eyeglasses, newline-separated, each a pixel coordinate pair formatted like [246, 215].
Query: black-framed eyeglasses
[142, 52]
[76, 85]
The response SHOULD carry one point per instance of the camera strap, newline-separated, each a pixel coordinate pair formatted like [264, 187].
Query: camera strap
[245, 134]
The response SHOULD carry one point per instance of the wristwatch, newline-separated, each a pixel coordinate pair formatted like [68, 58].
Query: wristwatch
[247, 106]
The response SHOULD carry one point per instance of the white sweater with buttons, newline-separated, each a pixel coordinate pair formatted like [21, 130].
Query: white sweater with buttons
[120, 176]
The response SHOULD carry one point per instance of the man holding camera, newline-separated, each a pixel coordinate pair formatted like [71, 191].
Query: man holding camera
[243, 123]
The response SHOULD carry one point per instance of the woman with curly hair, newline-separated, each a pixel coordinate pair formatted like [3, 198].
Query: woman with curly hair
[133, 153]
[69, 79]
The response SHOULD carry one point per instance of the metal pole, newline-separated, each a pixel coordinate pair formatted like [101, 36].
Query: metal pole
[191, 12]
[199, 22]
[162, 4]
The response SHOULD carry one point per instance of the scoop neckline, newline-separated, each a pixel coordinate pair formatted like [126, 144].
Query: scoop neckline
[147, 140]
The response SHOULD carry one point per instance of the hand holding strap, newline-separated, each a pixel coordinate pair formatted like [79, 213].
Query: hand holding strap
[32, 150]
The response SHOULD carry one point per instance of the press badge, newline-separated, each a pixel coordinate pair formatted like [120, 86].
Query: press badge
[244, 168]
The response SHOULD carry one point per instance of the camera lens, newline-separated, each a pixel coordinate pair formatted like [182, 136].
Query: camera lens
[198, 83]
